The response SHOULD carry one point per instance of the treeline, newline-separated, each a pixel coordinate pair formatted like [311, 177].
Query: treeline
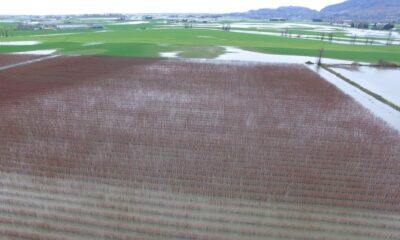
[4, 32]
[374, 26]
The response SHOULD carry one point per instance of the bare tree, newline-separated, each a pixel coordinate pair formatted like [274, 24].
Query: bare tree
[285, 33]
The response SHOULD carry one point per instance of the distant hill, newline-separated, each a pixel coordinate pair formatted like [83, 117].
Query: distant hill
[371, 10]
[282, 12]
[364, 10]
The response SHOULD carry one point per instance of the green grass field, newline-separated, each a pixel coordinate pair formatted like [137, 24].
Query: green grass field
[154, 37]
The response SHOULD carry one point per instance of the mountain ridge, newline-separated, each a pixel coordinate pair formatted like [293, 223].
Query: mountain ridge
[361, 10]
[364, 10]
[290, 12]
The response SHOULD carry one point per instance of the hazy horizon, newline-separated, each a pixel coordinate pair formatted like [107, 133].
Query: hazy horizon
[47, 7]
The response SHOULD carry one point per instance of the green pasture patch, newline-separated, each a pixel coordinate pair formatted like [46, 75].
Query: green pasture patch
[144, 41]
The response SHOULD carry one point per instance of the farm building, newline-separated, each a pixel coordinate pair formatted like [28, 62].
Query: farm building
[72, 26]
[277, 19]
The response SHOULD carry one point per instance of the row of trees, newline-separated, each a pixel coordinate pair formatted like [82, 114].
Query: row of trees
[353, 40]
[375, 26]
[225, 26]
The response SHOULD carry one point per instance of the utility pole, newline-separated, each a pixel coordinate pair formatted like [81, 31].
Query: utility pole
[331, 37]
[226, 27]
[389, 40]
[321, 53]
[354, 39]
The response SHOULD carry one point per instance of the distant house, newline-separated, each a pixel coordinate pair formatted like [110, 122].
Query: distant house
[72, 26]
[278, 19]
[27, 25]
[79, 26]
[123, 18]
[317, 20]
[97, 26]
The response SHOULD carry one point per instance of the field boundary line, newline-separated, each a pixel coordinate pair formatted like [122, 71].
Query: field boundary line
[28, 62]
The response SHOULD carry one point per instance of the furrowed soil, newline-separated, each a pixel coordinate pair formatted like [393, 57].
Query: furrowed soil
[121, 148]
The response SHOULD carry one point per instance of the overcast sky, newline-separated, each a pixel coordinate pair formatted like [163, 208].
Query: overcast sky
[148, 6]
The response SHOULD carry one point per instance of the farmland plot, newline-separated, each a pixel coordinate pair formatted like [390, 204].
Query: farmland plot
[120, 148]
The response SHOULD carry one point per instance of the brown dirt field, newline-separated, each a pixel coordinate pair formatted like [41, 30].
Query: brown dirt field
[263, 133]
[8, 59]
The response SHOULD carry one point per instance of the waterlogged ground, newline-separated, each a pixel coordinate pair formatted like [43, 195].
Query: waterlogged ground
[237, 54]
[341, 34]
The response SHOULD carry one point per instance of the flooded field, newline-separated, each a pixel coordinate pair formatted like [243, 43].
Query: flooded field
[237, 54]
[383, 81]
[118, 147]
[340, 34]
[339, 40]
[379, 109]
[387, 85]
